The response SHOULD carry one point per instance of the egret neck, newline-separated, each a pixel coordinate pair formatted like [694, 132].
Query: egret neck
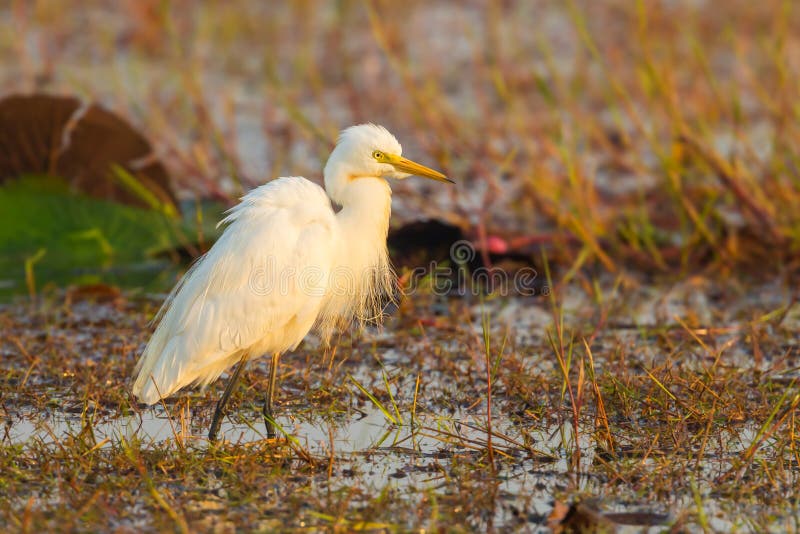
[363, 276]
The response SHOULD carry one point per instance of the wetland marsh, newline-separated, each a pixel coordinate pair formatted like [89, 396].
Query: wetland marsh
[641, 161]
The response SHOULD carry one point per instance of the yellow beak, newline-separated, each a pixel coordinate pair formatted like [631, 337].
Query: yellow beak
[411, 167]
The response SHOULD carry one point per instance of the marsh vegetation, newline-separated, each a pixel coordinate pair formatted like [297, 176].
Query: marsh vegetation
[642, 158]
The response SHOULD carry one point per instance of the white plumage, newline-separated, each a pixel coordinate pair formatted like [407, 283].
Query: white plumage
[285, 263]
[248, 301]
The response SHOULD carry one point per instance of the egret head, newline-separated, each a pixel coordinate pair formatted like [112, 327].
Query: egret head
[370, 151]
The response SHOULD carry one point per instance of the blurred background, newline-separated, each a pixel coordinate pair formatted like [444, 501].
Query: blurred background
[646, 152]
[654, 136]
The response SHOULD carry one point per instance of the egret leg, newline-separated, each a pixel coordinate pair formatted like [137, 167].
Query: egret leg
[268, 417]
[219, 411]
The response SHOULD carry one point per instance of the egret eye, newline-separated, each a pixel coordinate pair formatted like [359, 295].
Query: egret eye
[377, 155]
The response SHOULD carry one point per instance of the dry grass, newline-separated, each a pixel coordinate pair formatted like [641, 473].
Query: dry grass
[656, 421]
[657, 135]
[653, 148]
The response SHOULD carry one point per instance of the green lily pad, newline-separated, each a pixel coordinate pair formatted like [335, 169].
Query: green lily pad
[51, 234]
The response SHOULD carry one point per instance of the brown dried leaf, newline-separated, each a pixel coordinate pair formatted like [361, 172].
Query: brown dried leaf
[55, 135]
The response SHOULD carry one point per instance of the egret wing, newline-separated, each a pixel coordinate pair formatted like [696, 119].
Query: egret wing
[259, 289]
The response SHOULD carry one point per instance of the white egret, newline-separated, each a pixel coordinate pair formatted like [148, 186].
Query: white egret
[287, 262]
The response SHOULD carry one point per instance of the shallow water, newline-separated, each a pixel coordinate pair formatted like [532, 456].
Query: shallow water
[55, 348]
[412, 459]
